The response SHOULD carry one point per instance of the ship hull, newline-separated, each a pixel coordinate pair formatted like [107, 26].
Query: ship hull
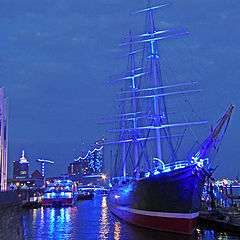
[167, 201]
[57, 202]
[184, 223]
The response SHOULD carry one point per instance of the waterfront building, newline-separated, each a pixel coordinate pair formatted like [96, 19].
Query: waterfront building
[91, 165]
[21, 167]
[33, 182]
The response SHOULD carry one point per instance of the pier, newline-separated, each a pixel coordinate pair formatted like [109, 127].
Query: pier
[221, 219]
[220, 208]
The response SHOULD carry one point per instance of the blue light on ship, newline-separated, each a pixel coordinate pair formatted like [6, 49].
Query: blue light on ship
[147, 174]
[167, 170]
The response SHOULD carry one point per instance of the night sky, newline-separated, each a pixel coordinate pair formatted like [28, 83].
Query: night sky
[56, 57]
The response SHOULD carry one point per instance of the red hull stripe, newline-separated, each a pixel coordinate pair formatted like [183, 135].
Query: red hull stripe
[158, 221]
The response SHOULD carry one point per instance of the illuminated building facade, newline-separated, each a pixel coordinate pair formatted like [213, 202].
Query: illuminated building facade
[21, 167]
[91, 164]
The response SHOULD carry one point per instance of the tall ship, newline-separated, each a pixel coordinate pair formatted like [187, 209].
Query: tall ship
[152, 184]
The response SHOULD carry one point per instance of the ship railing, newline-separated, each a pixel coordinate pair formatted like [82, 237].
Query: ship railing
[117, 181]
[163, 168]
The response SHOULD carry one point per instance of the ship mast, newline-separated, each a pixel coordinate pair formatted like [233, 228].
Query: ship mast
[124, 144]
[135, 133]
[137, 125]
[154, 56]
[159, 112]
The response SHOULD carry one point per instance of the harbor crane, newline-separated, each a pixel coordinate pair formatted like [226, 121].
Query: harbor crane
[43, 161]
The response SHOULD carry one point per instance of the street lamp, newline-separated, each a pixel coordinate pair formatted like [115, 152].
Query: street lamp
[104, 177]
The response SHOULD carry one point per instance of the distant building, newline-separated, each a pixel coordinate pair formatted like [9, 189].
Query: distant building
[35, 182]
[21, 167]
[15, 169]
[91, 164]
[37, 175]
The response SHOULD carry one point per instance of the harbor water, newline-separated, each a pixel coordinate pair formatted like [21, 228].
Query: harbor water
[91, 219]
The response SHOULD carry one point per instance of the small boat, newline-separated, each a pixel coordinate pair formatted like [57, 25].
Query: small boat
[58, 194]
[85, 195]
[31, 205]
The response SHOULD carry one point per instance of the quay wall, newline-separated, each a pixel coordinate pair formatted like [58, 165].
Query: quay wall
[11, 219]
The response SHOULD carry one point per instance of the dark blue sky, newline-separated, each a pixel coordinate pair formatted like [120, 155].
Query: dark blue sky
[56, 56]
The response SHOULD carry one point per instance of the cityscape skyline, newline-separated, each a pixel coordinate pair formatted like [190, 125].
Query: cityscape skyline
[56, 60]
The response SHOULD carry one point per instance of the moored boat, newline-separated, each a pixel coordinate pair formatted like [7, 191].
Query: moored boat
[59, 193]
[85, 195]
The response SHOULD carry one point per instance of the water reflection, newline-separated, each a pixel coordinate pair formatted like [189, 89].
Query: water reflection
[34, 215]
[51, 221]
[117, 230]
[59, 223]
[92, 220]
[212, 235]
[139, 233]
[104, 222]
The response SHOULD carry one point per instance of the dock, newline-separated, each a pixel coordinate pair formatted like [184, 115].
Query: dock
[221, 219]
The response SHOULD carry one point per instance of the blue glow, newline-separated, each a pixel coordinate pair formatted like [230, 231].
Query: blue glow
[162, 87]
[93, 176]
[154, 34]
[152, 8]
[167, 169]
[160, 95]
[57, 223]
[147, 174]
[128, 189]
[89, 152]
[130, 77]
[155, 39]
[164, 168]
[44, 160]
[159, 127]
[177, 167]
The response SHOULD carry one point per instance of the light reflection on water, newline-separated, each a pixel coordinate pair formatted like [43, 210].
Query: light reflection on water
[117, 230]
[91, 219]
[104, 223]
